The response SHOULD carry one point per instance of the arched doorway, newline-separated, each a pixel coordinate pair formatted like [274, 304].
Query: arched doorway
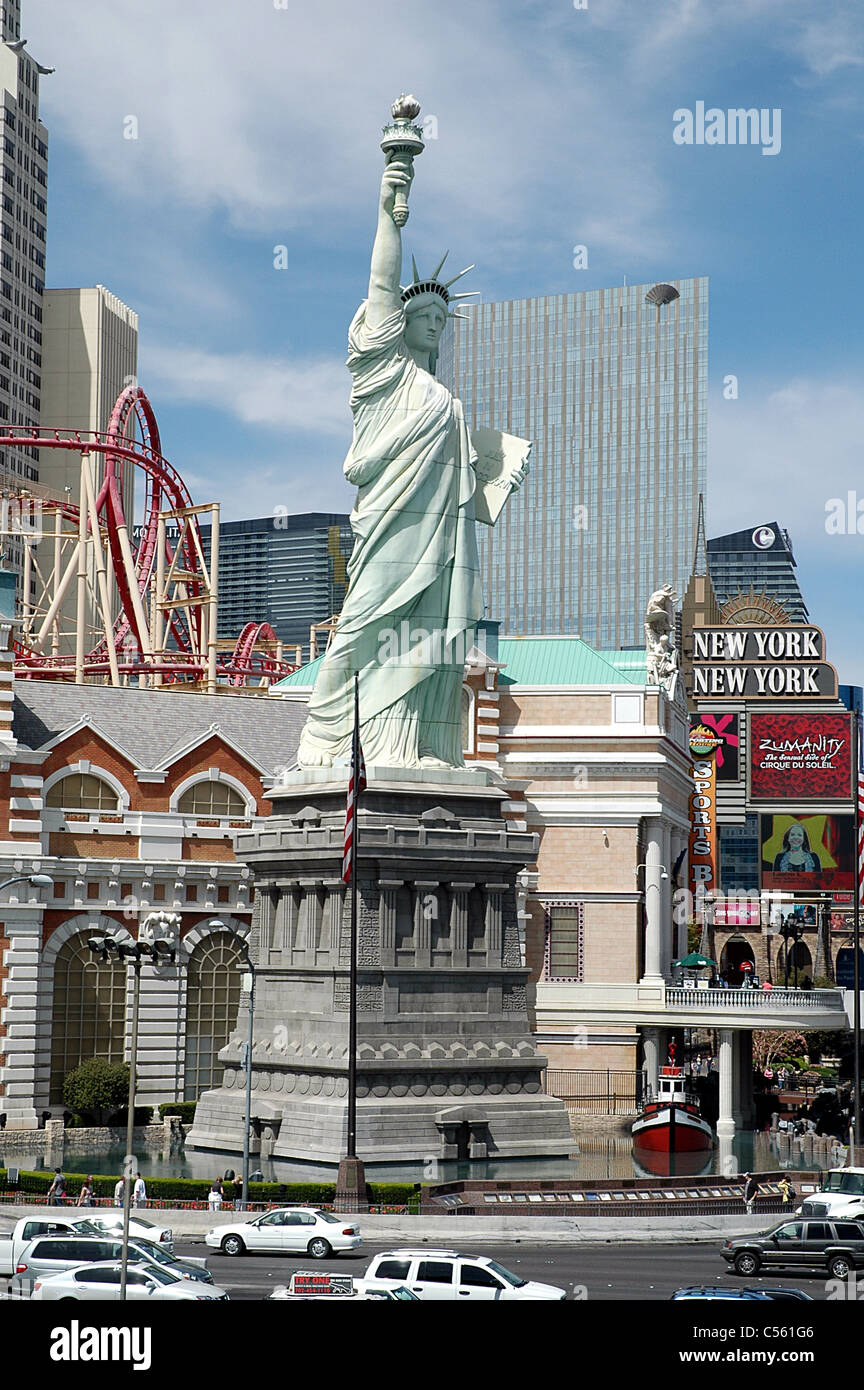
[737, 953]
[212, 1004]
[796, 964]
[88, 1011]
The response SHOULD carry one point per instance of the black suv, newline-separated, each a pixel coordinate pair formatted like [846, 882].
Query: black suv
[837, 1246]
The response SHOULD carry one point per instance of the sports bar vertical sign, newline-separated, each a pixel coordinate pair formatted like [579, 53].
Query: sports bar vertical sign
[703, 816]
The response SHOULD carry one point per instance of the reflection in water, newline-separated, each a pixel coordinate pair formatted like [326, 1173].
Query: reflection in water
[648, 1163]
[599, 1156]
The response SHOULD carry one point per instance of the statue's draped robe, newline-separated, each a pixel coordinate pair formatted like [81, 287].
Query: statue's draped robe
[414, 589]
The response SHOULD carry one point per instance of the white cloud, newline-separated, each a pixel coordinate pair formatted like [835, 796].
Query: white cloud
[782, 453]
[268, 392]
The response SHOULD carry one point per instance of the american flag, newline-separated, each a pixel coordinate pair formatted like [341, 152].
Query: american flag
[356, 784]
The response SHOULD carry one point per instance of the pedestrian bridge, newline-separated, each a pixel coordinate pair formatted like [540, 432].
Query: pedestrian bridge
[655, 1003]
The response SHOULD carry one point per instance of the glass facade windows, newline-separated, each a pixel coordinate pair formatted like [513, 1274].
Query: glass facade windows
[739, 856]
[88, 1014]
[564, 941]
[613, 393]
[211, 799]
[81, 791]
[212, 1004]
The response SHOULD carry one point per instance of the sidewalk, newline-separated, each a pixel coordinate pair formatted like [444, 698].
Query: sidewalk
[455, 1231]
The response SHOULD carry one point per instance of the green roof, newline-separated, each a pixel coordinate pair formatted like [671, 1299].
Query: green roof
[536, 661]
[566, 661]
[304, 675]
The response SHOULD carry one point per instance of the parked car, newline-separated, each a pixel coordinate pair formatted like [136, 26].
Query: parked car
[448, 1276]
[29, 1227]
[837, 1246]
[841, 1194]
[760, 1295]
[48, 1255]
[112, 1222]
[102, 1281]
[297, 1229]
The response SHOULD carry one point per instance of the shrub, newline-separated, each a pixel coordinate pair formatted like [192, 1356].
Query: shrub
[196, 1189]
[96, 1088]
[184, 1108]
[143, 1116]
[397, 1194]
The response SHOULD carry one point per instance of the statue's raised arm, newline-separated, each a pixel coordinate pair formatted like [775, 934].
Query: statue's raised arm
[402, 142]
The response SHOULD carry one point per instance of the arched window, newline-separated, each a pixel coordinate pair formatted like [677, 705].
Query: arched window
[81, 791]
[211, 799]
[467, 719]
[88, 1015]
[212, 1004]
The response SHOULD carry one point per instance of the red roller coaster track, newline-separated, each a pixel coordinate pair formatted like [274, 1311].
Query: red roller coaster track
[165, 491]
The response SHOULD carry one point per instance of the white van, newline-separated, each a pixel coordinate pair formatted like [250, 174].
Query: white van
[841, 1194]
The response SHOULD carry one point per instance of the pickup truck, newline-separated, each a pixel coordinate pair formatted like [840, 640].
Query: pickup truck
[28, 1228]
[841, 1194]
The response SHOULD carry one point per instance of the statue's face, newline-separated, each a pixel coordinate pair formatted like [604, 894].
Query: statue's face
[424, 326]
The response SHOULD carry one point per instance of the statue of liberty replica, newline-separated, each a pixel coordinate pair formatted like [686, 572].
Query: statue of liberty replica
[391, 1019]
[414, 594]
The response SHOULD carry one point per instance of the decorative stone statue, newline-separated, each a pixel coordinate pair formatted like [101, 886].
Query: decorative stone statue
[661, 656]
[414, 594]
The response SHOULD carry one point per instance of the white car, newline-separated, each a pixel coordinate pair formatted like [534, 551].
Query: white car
[446, 1276]
[112, 1222]
[102, 1282]
[298, 1229]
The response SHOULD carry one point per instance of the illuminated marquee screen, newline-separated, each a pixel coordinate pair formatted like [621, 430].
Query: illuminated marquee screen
[807, 853]
[801, 757]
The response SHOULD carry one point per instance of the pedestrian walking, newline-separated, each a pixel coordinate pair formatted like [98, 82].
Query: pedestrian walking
[238, 1191]
[751, 1191]
[120, 1192]
[85, 1196]
[214, 1197]
[787, 1191]
[139, 1192]
[57, 1190]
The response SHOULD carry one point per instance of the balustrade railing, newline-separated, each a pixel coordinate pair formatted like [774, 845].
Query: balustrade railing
[757, 1000]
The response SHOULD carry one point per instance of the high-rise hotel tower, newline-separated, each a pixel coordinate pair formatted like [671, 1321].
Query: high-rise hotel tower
[23, 192]
[611, 385]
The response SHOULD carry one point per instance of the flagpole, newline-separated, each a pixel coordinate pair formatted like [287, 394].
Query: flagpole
[352, 978]
[856, 938]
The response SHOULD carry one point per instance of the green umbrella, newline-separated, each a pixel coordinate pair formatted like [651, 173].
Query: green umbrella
[694, 961]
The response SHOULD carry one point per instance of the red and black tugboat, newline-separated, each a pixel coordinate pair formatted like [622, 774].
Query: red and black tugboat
[670, 1122]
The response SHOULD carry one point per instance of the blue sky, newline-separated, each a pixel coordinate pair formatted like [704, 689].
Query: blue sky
[258, 127]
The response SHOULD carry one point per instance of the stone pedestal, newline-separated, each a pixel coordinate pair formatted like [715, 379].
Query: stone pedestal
[447, 1067]
[350, 1187]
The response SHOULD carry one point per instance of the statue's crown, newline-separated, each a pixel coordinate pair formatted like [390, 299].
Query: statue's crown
[432, 285]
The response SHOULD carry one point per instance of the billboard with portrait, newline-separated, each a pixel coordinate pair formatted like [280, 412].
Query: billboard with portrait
[801, 757]
[807, 853]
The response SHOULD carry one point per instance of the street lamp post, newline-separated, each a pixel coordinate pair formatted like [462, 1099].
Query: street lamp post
[132, 953]
[216, 924]
[38, 880]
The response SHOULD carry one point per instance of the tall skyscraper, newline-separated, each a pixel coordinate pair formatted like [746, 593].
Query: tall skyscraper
[289, 571]
[747, 564]
[90, 352]
[612, 387]
[23, 183]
